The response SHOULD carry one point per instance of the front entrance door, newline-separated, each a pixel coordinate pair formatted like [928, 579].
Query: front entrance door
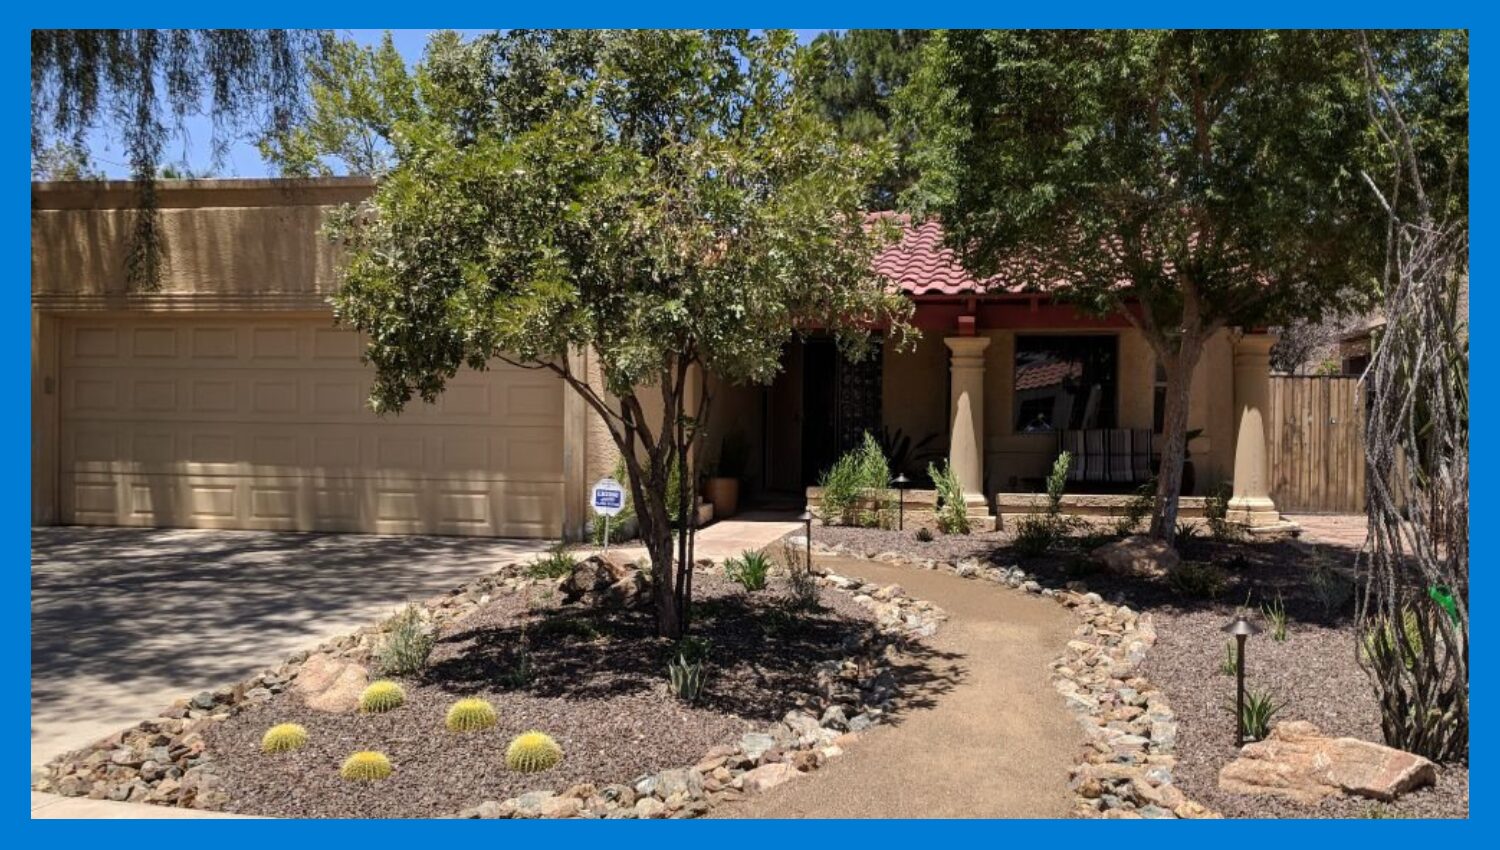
[820, 431]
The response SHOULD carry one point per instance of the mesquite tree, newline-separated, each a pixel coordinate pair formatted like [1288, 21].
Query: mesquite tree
[1414, 608]
[669, 200]
[1189, 181]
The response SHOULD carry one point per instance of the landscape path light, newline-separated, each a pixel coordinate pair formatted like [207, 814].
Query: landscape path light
[807, 519]
[1241, 628]
[900, 481]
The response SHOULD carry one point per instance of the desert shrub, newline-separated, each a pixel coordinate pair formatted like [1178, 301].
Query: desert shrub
[803, 586]
[1198, 580]
[533, 752]
[554, 564]
[406, 643]
[857, 477]
[383, 695]
[284, 737]
[924, 535]
[749, 570]
[1036, 534]
[366, 766]
[1260, 707]
[470, 715]
[1057, 482]
[952, 509]
[575, 628]
[520, 672]
[1275, 614]
[1142, 502]
[1332, 589]
[1216, 514]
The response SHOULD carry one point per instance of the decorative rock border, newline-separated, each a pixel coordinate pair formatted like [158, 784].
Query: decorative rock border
[1130, 730]
[164, 761]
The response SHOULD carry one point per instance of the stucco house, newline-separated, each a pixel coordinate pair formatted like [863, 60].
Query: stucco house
[228, 399]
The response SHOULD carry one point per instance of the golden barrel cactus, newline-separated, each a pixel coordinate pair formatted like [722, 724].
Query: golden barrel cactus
[366, 766]
[283, 738]
[533, 752]
[383, 695]
[470, 715]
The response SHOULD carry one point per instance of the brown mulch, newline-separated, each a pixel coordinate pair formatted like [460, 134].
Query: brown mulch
[1314, 673]
[598, 687]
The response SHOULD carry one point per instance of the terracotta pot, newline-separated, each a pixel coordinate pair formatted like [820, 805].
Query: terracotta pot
[724, 493]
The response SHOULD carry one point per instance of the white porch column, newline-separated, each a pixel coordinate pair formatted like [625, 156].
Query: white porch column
[966, 411]
[1251, 503]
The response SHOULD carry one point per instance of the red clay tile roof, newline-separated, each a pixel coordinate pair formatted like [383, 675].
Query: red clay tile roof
[919, 264]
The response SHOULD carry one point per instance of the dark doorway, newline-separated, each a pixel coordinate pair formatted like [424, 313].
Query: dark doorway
[820, 433]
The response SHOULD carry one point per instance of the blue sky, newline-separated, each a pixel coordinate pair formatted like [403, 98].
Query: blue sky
[242, 159]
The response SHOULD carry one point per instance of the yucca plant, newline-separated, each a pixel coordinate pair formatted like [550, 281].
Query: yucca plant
[284, 737]
[470, 715]
[749, 570]
[533, 752]
[383, 695]
[366, 766]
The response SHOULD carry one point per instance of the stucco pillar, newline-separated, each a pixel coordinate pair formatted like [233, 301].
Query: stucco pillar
[1251, 503]
[966, 411]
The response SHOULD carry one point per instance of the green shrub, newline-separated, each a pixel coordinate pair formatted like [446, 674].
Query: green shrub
[366, 766]
[860, 475]
[1198, 580]
[1187, 533]
[924, 535]
[553, 565]
[407, 642]
[1260, 708]
[1142, 503]
[1057, 482]
[1216, 513]
[1332, 589]
[1036, 534]
[533, 752]
[470, 715]
[1275, 614]
[283, 738]
[686, 679]
[1231, 663]
[521, 671]
[1382, 649]
[383, 695]
[749, 570]
[952, 509]
[568, 627]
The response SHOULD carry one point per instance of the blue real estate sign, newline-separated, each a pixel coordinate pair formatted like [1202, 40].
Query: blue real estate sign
[608, 497]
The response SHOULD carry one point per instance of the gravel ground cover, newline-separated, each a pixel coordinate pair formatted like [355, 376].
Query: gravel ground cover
[596, 684]
[1313, 673]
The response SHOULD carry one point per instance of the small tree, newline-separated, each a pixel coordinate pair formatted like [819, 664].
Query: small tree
[1188, 181]
[667, 199]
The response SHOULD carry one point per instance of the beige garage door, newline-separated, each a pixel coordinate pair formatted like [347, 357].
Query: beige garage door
[261, 423]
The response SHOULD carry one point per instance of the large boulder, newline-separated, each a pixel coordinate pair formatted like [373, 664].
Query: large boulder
[597, 580]
[1137, 556]
[1299, 762]
[331, 684]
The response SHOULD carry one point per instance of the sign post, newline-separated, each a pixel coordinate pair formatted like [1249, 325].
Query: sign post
[607, 498]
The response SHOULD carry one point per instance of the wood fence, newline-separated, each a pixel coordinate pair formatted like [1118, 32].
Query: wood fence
[1316, 444]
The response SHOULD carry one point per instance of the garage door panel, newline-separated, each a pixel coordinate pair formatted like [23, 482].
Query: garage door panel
[246, 423]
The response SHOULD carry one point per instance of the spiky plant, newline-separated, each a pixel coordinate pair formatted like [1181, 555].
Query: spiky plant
[366, 766]
[283, 737]
[533, 752]
[383, 695]
[470, 715]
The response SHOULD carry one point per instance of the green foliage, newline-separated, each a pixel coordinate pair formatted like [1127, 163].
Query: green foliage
[1230, 665]
[470, 715]
[533, 752]
[803, 586]
[366, 766]
[1275, 614]
[1057, 482]
[1187, 533]
[553, 565]
[383, 695]
[1198, 580]
[1216, 513]
[952, 509]
[687, 672]
[619, 524]
[1142, 502]
[1333, 590]
[749, 570]
[283, 738]
[521, 670]
[575, 628]
[924, 535]
[1383, 648]
[1036, 534]
[1260, 708]
[858, 478]
[407, 642]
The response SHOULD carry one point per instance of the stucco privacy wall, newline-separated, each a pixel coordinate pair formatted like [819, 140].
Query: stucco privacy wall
[915, 399]
[234, 362]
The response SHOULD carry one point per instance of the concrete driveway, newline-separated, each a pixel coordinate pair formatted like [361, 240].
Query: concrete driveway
[123, 621]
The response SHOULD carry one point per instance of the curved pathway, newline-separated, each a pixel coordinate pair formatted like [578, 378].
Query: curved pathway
[994, 740]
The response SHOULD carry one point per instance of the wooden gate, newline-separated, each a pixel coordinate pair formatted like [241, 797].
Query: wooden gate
[1316, 444]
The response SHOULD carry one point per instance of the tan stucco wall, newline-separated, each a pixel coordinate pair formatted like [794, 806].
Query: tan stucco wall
[916, 400]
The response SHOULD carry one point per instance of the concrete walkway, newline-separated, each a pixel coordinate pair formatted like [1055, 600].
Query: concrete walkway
[123, 621]
[997, 743]
[727, 538]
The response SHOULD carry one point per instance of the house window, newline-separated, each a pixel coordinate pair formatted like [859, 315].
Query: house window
[1159, 400]
[1065, 382]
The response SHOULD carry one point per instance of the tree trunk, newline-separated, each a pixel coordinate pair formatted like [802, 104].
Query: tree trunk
[1179, 367]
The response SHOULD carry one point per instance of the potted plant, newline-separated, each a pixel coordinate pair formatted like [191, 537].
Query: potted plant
[723, 485]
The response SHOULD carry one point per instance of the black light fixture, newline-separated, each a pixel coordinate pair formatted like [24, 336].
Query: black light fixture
[807, 519]
[1241, 628]
[901, 481]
